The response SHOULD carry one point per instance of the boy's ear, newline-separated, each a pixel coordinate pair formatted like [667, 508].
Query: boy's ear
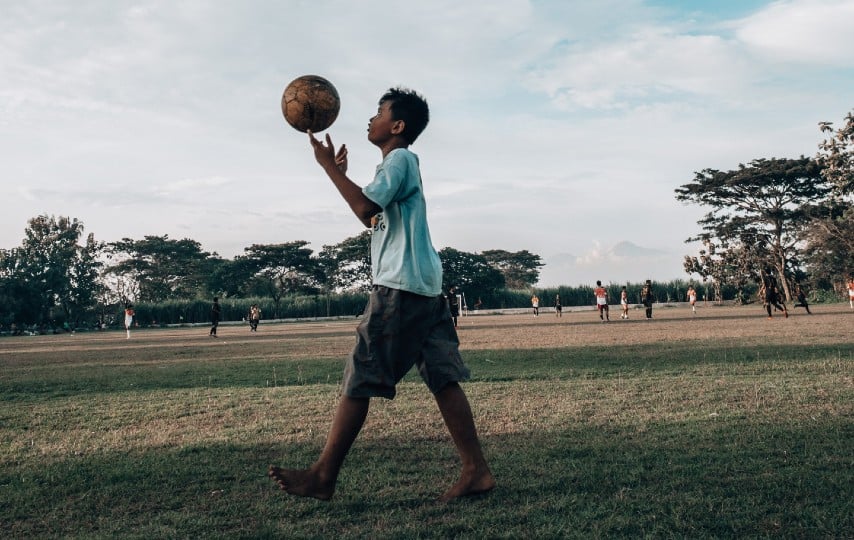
[397, 127]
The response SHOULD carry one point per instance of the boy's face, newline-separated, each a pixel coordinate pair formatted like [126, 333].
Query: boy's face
[382, 126]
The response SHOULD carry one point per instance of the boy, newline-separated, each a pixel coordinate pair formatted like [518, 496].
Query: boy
[648, 298]
[254, 317]
[624, 302]
[769, 293]
[407, 321]
[454, 304]
[601, 295]
[128, 317]
[692, 299]
[216, 311]
[802, 299]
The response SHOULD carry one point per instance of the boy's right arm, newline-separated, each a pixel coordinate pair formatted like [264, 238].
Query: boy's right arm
[335, 167]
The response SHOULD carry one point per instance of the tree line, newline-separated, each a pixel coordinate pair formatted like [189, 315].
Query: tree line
[56, 277]
[788, 218]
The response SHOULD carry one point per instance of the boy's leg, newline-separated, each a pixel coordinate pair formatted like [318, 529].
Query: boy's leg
[319, 480]
[456, 411]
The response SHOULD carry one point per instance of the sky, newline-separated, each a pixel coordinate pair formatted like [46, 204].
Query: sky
[558, 127]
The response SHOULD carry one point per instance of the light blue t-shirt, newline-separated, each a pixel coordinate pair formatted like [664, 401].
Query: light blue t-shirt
[402, 253]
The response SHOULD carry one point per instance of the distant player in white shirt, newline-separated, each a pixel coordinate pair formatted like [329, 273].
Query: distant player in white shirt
[624, 303]
[692, 299]
[128, 318]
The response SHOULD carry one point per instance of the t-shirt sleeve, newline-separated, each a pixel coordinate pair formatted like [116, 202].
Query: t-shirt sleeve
[388, 185]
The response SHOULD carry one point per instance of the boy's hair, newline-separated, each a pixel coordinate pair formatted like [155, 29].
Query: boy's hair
[409, 106]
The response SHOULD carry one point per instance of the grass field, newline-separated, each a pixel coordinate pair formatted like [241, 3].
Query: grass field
[724, 424]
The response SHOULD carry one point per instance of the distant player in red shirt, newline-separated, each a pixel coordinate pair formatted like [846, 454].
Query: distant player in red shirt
[602, 301]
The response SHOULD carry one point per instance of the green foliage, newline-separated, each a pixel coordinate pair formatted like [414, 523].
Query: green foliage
[281, 269]
[471, 274]
[347, 265]
[51, 277]
[829, 249]
[158, 268]
[520, 269]
[796, 216]
[235, 309]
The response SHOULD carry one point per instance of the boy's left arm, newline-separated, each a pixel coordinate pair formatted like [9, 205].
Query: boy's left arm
[335, 166]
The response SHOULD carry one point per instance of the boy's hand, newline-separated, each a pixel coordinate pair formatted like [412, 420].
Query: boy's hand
[325, 153]
[341, 159]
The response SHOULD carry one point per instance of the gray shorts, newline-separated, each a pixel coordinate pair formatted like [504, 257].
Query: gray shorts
[400, 329]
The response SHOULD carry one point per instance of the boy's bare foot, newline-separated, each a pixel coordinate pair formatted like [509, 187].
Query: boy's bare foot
[302, 483]
[470, 484]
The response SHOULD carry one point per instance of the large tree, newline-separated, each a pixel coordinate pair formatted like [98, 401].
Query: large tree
[347, 264]
[51, 275]
[733, 265]
[763, 205]
[829, 239]
[158, 268]
[470, 273]
[233, 278]
[521, 269]
[281, 269]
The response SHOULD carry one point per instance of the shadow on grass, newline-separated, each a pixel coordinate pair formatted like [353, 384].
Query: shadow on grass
[685, 480]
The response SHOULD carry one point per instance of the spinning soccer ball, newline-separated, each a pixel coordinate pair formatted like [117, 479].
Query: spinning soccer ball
[311, 103]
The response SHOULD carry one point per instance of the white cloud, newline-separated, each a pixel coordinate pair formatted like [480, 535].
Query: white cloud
[802, 32]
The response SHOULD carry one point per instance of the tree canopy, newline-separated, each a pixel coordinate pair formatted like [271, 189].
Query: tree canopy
[50, 271]
[158, 268]
[760, 209]
[521, 269]
[830, 238]
[469, 272]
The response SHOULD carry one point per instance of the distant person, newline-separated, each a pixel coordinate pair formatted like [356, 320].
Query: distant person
[692, 299]
[624, 303]
[851, 292]
[648, 297]
[129, 313]
[802, 299]
[254, 317]
[558, 307]
[216, 311]
[535, 303]
[769, 293]
[478, 304]
[454, 304]
[601, 295]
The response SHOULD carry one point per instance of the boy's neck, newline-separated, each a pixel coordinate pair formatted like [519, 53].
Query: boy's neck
[393, 144]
